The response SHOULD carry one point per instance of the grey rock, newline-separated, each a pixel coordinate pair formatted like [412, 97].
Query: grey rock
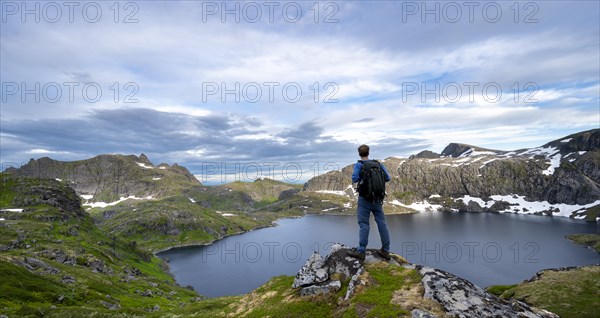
[147, 293]
[321, 288]
[311, 272]
[420, 313]
[155, 308]
[35, 263]
[68, 279]
[460, 298]
[354, 281]
[109, 305]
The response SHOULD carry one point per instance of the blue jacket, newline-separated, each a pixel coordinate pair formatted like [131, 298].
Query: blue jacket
[358, 166]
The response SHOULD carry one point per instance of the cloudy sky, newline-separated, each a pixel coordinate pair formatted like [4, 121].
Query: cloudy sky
[226, 86]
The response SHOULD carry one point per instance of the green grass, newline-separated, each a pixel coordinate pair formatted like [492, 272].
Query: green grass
[591, 240]
[42, 230]
[501, 290]
[375, 300]
[572, 293]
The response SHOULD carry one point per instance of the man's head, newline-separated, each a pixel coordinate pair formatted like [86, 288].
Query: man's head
[363, 151]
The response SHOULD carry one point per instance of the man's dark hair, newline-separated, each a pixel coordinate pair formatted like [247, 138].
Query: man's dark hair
[363, 151]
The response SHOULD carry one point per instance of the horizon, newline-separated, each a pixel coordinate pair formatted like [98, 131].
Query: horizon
[243, 82]
[242, 171]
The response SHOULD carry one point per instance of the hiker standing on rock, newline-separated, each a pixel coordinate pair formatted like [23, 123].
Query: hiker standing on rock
[371, 177]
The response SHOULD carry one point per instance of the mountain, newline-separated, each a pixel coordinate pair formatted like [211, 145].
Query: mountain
[57, 263]
[560, 178]
[108, 178]
[159, 206]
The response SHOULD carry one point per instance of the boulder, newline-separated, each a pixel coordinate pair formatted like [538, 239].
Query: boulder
[460, 298]
[321, 288]
[312, 272]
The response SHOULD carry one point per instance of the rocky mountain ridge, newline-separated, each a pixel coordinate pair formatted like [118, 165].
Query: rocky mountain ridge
[560, 178]
[108, 178]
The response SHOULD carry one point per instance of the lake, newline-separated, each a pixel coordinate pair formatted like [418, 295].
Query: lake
[485, 248]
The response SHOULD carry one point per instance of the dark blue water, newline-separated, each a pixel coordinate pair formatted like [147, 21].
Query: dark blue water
[484, 248]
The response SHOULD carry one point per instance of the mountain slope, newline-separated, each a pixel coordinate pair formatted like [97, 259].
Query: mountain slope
[108, 178]
[56, 262]
[560, 178]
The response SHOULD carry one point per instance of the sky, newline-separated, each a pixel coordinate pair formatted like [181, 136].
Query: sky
[235, 90]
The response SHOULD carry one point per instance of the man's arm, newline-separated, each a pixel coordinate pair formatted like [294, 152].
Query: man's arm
[387, 175]
[356, 172]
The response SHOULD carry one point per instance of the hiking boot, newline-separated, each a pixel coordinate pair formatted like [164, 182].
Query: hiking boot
[384, 254]
[355, 253]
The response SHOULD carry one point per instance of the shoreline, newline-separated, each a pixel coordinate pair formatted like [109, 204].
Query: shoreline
[273, 224]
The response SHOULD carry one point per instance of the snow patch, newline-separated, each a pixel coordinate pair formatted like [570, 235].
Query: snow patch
[522, 206]
[482, 153]
[104, 204]
[466, 153]
[419, 206]
[342, 193]
[143, 165]
[566, 140]
[435, 196]
[554, 163]
[12, 210]
[192, 200]
[581, 153]
[572, 159]
[87, 196]
[225, 214]
[330, 209]
[2, 219]
[156, 178]
[486, 162]
[467, 198]
[58, 179]
[162, 168]
[348, 205]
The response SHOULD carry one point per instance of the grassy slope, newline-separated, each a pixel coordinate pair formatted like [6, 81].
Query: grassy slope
[174, 221]
[590, 240]
[42, 230]
[571, 293]
[392, 291]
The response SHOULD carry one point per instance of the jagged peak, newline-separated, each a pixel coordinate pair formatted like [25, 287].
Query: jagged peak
[588, 140]
[458, 149]
[144, 159]
[427, 154]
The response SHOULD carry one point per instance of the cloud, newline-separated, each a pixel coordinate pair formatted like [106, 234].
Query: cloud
[363, 61]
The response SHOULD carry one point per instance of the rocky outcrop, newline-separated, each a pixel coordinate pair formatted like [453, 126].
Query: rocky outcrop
[460, 298]
[48, 192]
[438, 291]
[565, 171]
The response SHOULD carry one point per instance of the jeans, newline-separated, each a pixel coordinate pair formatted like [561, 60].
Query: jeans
[365, 207]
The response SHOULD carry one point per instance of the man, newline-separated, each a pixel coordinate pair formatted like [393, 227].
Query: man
[370, 203]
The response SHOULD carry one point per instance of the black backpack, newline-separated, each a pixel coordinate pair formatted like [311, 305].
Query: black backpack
[372, 181]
